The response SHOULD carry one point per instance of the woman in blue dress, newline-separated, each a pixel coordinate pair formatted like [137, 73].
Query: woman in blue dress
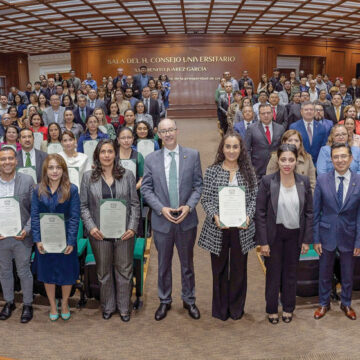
[55, 194]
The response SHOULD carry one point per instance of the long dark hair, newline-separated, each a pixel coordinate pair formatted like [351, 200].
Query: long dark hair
[150, 134]
[245, 167]
[117, 172]
[49, 140]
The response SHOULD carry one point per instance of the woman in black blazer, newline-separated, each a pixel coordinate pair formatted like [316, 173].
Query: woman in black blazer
[284, 221]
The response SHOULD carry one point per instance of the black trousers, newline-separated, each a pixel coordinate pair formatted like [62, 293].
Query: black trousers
[229, 277]
[223, 121]
[281, 269]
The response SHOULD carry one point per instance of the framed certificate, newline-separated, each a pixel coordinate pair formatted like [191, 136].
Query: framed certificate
[74, 176]
[38, 139]
[112, 218]
[52, 231]
[30, 170]
[232, 206]
[129, 164]
[89, 148]
[54, 148]
[145, 147]
[10, 216]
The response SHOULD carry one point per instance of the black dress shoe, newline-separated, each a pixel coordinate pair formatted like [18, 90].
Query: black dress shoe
[237, 317]
[7, 311]
[27, 314]
[106, 315]
[162, 311]
[125, 318]
[193, 310]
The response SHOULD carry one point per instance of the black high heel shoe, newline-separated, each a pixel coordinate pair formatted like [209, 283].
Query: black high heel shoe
[273, 320]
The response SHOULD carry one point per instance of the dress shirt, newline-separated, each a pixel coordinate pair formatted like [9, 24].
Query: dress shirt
[92, 103]
[56, 115]
[32, 157]
[288, 212]
[270, 129]
[314, 95]
[7, 188]
[147, 104]
[256, 107]
[167, 162]
[144, 80]
[346, 182]
[92, 83]
[4, 110]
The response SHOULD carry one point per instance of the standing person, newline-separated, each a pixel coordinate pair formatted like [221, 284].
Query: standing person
[54, 113]
[74, 81]
[11, 137]
[228, 247]
[284, 224]
[70, 125]
[262, 139]
[337, 228]
[233, 109]
[141, 80]
[174, 220]
[104, 126]
[151, 107]
[225, 102]
[55, 194]
[165, 82]
[37, 125]
[54, 137]
[28, 155]
[17, 247]
[114, 257]
[248, 118]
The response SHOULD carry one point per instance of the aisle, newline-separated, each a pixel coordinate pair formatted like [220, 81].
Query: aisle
[87, 336]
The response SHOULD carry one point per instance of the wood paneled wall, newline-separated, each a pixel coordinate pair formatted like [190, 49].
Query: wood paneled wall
[15, 68]
[257, 54]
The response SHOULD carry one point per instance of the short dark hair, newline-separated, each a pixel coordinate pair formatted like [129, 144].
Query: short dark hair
[261, 106]
[143, 67]
[8, 147]
[25, 129]
[340, 145]
[287, 147]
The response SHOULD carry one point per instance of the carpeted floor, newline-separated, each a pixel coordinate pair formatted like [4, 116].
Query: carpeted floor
[86, 336]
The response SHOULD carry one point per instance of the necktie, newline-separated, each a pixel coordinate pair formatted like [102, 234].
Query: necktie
[92, 104]
[274, 113]
[308, 129]
[28, 160]
[173, 183]
[338, 114]
[267, 133]
[340, 192]
[148, 105]
[83, 117]
[229, 100]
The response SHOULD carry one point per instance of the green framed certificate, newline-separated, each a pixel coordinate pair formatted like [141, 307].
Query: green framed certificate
[52, 231]
[30, 170]
[10, 216]
[232, 206]
[145, 147]
[89, 148]
[38, 139]
[54, 148]
[112, 218]
[129, 164]
[74, 176]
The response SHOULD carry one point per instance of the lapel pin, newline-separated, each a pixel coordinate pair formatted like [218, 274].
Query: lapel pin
[353, 184]
[185, 156]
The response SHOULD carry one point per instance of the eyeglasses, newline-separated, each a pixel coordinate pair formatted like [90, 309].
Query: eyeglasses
[340, 157]
[340, 135]
[168, 131]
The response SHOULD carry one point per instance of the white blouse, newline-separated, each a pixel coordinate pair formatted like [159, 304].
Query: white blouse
[288, 213]
[80, 161]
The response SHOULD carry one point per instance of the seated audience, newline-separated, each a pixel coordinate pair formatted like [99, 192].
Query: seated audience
[114, 118]
[104, 126]
[141, 114]
[37, 125]
[248, 118]
[142, 131]
[54, 137]
[11, 137]
[70, 125]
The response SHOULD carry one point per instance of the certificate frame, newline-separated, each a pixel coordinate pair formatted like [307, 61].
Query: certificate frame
[143, 147]
[74, 171]
[117, 221]
[129, 164]
[38, 139]
[54, 148]
[89, 148]
[29, 170]
[16, 231]
[228, 211]
[59, 230]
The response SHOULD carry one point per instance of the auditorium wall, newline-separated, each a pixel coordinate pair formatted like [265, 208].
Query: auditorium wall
[15, 68]
[195, 63]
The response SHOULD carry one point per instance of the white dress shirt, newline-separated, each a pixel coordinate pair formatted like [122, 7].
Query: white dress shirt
[32, 157]
[167, 162]
[346, 182]
[288, 212]
[7, 188]
[270, 129]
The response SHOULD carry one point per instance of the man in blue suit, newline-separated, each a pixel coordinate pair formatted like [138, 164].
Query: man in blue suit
[337, 227]
[312, 132]
[172, 185]
[249, 118]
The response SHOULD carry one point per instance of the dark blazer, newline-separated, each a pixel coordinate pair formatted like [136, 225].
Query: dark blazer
[267, 206]
[77, 117]
[335, 226]
[49, 92]
[154, 111]
[319, 137]
[137, 80]
[258, 146]
[329, 113]
[355, 93]
[240, 128]
[40, 156]
[294, 113]
[281, 116]
[224, 103]
[135, 89]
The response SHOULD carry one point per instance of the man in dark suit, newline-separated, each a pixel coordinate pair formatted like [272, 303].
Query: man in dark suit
[337, 228]
[249, 119]
[312, 132]
[225, 101]
[51, 88]
[280, 115]
[319, 116]
[335, 112]
[152, 106]
[354, 89]
[275, 78]
[172, 186]
[37, 89]
[262, 138]
[141, 80]
[129, 84]
[82, 111]
[93, 102]
[16, 247]
[28, 155]
[294, 109]
[120, 77]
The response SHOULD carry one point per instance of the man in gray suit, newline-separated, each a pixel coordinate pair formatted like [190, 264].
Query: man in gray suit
[16, 247]
[54, 113]
[28, 155]
[172, 185]
[93, 102]
[262, 138]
